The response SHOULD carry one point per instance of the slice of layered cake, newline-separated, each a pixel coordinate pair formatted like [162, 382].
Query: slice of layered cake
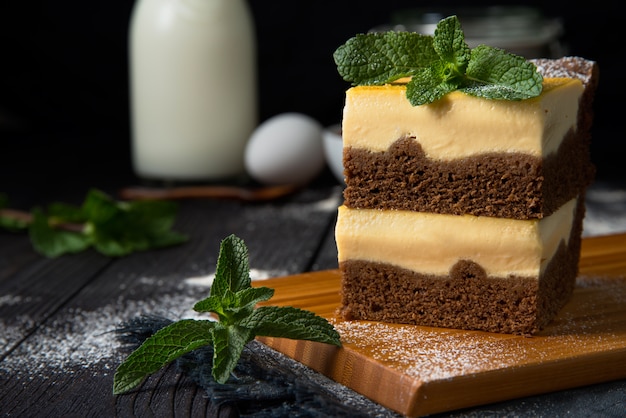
[465, 212]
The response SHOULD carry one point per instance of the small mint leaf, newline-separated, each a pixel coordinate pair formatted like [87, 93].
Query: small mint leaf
[379, 58]
[234, 306]
[120, 228]
[232, 271]
[13, 223]
[228, 343]
[63, 212]
[113, 228]
[429, 85]
[247, 300]
[210, 304]
[98, 207]
[498, 74]
[53, 242]
[163, 347]
[250, 297]
[449, 43]
[293, 323]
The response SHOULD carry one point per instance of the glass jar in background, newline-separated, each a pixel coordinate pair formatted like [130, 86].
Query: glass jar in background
[193, 88]
[521, 30]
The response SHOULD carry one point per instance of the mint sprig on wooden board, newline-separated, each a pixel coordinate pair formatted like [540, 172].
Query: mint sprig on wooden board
[437, 65]
[114, 228]
[233, 301]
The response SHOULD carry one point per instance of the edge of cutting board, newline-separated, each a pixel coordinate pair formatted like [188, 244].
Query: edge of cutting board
[598, 355]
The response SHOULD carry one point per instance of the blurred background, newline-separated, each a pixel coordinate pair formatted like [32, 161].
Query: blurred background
[64, 102]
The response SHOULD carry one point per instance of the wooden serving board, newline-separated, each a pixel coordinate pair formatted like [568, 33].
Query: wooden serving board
[421, 370]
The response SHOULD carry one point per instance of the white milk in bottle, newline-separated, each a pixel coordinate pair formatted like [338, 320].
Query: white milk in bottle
[192, 88]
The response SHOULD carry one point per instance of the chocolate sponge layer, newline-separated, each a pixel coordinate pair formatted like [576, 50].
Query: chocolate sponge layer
[515, 186]
[467, 298]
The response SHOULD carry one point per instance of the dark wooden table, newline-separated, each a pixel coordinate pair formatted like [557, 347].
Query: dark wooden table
[58, 351]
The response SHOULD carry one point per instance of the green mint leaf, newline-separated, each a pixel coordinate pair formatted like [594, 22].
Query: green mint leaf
[67, 213]
[232, 271]
[99, 207]
[437, 65]
[120, 228]
[293, 323]
[234, 306]
[449, 43]
[379, 58]
[13, 224]
[113, 228]
[228, 343]
[54, 242]
[430, 84]
[160, 349]
[248, 298]
[211, 304]
[11, 220]
[234, 301]
[497, 74]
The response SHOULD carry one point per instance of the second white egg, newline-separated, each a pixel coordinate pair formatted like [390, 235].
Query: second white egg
[286, 149]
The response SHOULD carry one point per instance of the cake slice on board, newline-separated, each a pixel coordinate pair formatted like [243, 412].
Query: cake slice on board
[463, 211]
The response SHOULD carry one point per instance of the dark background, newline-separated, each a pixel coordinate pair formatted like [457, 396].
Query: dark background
[64, 76]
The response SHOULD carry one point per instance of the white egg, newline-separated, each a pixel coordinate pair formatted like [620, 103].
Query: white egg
[286, 149]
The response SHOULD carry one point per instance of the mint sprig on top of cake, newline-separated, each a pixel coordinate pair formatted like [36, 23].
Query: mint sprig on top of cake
[437, 65]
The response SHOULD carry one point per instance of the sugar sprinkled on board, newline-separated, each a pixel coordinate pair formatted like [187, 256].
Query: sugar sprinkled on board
[430, 354]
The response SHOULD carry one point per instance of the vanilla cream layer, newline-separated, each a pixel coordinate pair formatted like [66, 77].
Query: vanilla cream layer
[459, 125]
[432, 243]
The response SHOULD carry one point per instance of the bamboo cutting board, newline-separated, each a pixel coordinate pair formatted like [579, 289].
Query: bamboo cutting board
[421, 370]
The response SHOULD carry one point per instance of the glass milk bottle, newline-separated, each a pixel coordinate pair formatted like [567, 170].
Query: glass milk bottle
[193, 88]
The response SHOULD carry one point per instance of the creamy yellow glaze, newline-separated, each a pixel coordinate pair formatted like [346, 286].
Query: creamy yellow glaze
[432, 243]
[459, 125]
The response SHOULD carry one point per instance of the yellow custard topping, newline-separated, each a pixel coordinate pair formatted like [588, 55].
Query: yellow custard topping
[459, 125]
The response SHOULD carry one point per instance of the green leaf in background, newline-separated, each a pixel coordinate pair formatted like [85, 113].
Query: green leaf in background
[113, 228]
[234, 300]
[120, 228]
[11, 223]
[54, 242]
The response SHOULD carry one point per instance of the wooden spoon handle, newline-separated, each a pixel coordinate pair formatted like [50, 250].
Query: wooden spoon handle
[213, 192]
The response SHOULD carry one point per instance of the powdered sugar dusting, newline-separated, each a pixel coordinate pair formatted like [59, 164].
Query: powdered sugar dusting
[428, 354]
[587, 324]
[77, 338]
[567, 67]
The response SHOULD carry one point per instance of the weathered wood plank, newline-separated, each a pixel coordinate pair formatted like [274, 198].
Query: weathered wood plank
[71, 306]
